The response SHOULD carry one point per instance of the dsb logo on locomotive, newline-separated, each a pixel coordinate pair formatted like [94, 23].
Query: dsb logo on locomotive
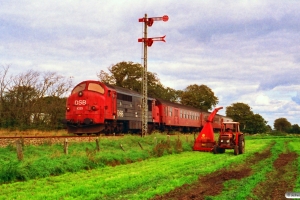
[80, 102]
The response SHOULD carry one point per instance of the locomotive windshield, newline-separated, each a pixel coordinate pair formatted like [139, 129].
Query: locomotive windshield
[91, 87]
[96, 88]
[79, 88]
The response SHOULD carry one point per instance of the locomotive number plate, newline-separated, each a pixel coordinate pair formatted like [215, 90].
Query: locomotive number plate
[120, 113]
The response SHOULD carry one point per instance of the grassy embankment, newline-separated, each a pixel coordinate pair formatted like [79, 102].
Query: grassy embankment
[139, 180]
[47, 159]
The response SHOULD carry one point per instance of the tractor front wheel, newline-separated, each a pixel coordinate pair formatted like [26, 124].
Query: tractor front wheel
[241, 144]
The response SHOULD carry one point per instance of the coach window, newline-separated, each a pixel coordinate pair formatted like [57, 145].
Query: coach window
[170, 108]
[166, 111]
[79, 88]
[96, 88]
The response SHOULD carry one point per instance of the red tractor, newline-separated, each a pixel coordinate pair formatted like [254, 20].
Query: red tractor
[230, 138]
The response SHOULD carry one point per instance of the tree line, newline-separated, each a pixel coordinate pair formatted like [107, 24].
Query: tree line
[35, 100]
[32, 100]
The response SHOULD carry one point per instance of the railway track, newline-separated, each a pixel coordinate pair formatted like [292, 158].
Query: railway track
[60, 136]
[39, 140]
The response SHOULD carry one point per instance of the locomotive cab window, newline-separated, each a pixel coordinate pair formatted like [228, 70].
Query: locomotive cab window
[79, 88]
[96, 88]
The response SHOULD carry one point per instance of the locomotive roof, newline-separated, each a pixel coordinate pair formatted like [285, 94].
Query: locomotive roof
[125, 91]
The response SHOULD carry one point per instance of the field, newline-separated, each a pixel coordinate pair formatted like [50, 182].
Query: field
[161, 167]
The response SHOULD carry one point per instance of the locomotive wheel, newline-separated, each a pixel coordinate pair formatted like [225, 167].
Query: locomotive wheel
[236, 150]
[241, 144]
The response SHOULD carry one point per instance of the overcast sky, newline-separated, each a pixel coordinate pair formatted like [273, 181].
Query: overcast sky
[245, 51]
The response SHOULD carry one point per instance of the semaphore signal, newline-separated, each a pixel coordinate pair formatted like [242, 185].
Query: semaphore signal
[148, 43]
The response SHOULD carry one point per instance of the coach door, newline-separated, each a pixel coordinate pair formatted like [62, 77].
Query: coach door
[176, 116]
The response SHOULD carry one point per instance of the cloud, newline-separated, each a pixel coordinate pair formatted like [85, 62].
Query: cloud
[245, 51]
[296, 98]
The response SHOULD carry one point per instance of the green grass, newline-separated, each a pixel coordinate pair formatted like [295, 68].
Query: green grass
[86, 174]
[245, 186]
[139, 180]
[295, 146]
[47, 160]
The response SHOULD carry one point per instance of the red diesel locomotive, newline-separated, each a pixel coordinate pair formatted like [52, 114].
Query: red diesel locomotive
[95, 107]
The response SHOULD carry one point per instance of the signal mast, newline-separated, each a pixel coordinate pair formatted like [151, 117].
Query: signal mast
[147, 42]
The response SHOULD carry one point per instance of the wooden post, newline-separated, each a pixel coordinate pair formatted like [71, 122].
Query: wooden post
[140, 145]
[168, 139]
[22, 141]
[97, 144]
[66, 146]
[19, 150]
[122, 147]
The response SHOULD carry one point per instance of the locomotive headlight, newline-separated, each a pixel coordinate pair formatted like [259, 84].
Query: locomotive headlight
[221, 140]
[80, 93]
[68, 109]
[94, 108]
[227, 141]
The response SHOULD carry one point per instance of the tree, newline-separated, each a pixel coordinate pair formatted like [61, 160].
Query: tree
[269, 128]
[249, 122]
[295, 129]
[199, 96]
[240, 112]
[256, 124]
[282, 124]
[129, 75]
[4, 83]
[17, 105]
[22, 97]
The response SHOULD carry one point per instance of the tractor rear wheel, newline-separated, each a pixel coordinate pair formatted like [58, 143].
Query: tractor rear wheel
[241, 144]
[236, 150]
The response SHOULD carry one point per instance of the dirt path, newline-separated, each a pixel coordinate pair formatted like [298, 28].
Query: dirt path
[281, 180]
[212, 184]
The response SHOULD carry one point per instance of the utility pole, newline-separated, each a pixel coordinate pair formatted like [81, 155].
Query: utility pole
[147, 42]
